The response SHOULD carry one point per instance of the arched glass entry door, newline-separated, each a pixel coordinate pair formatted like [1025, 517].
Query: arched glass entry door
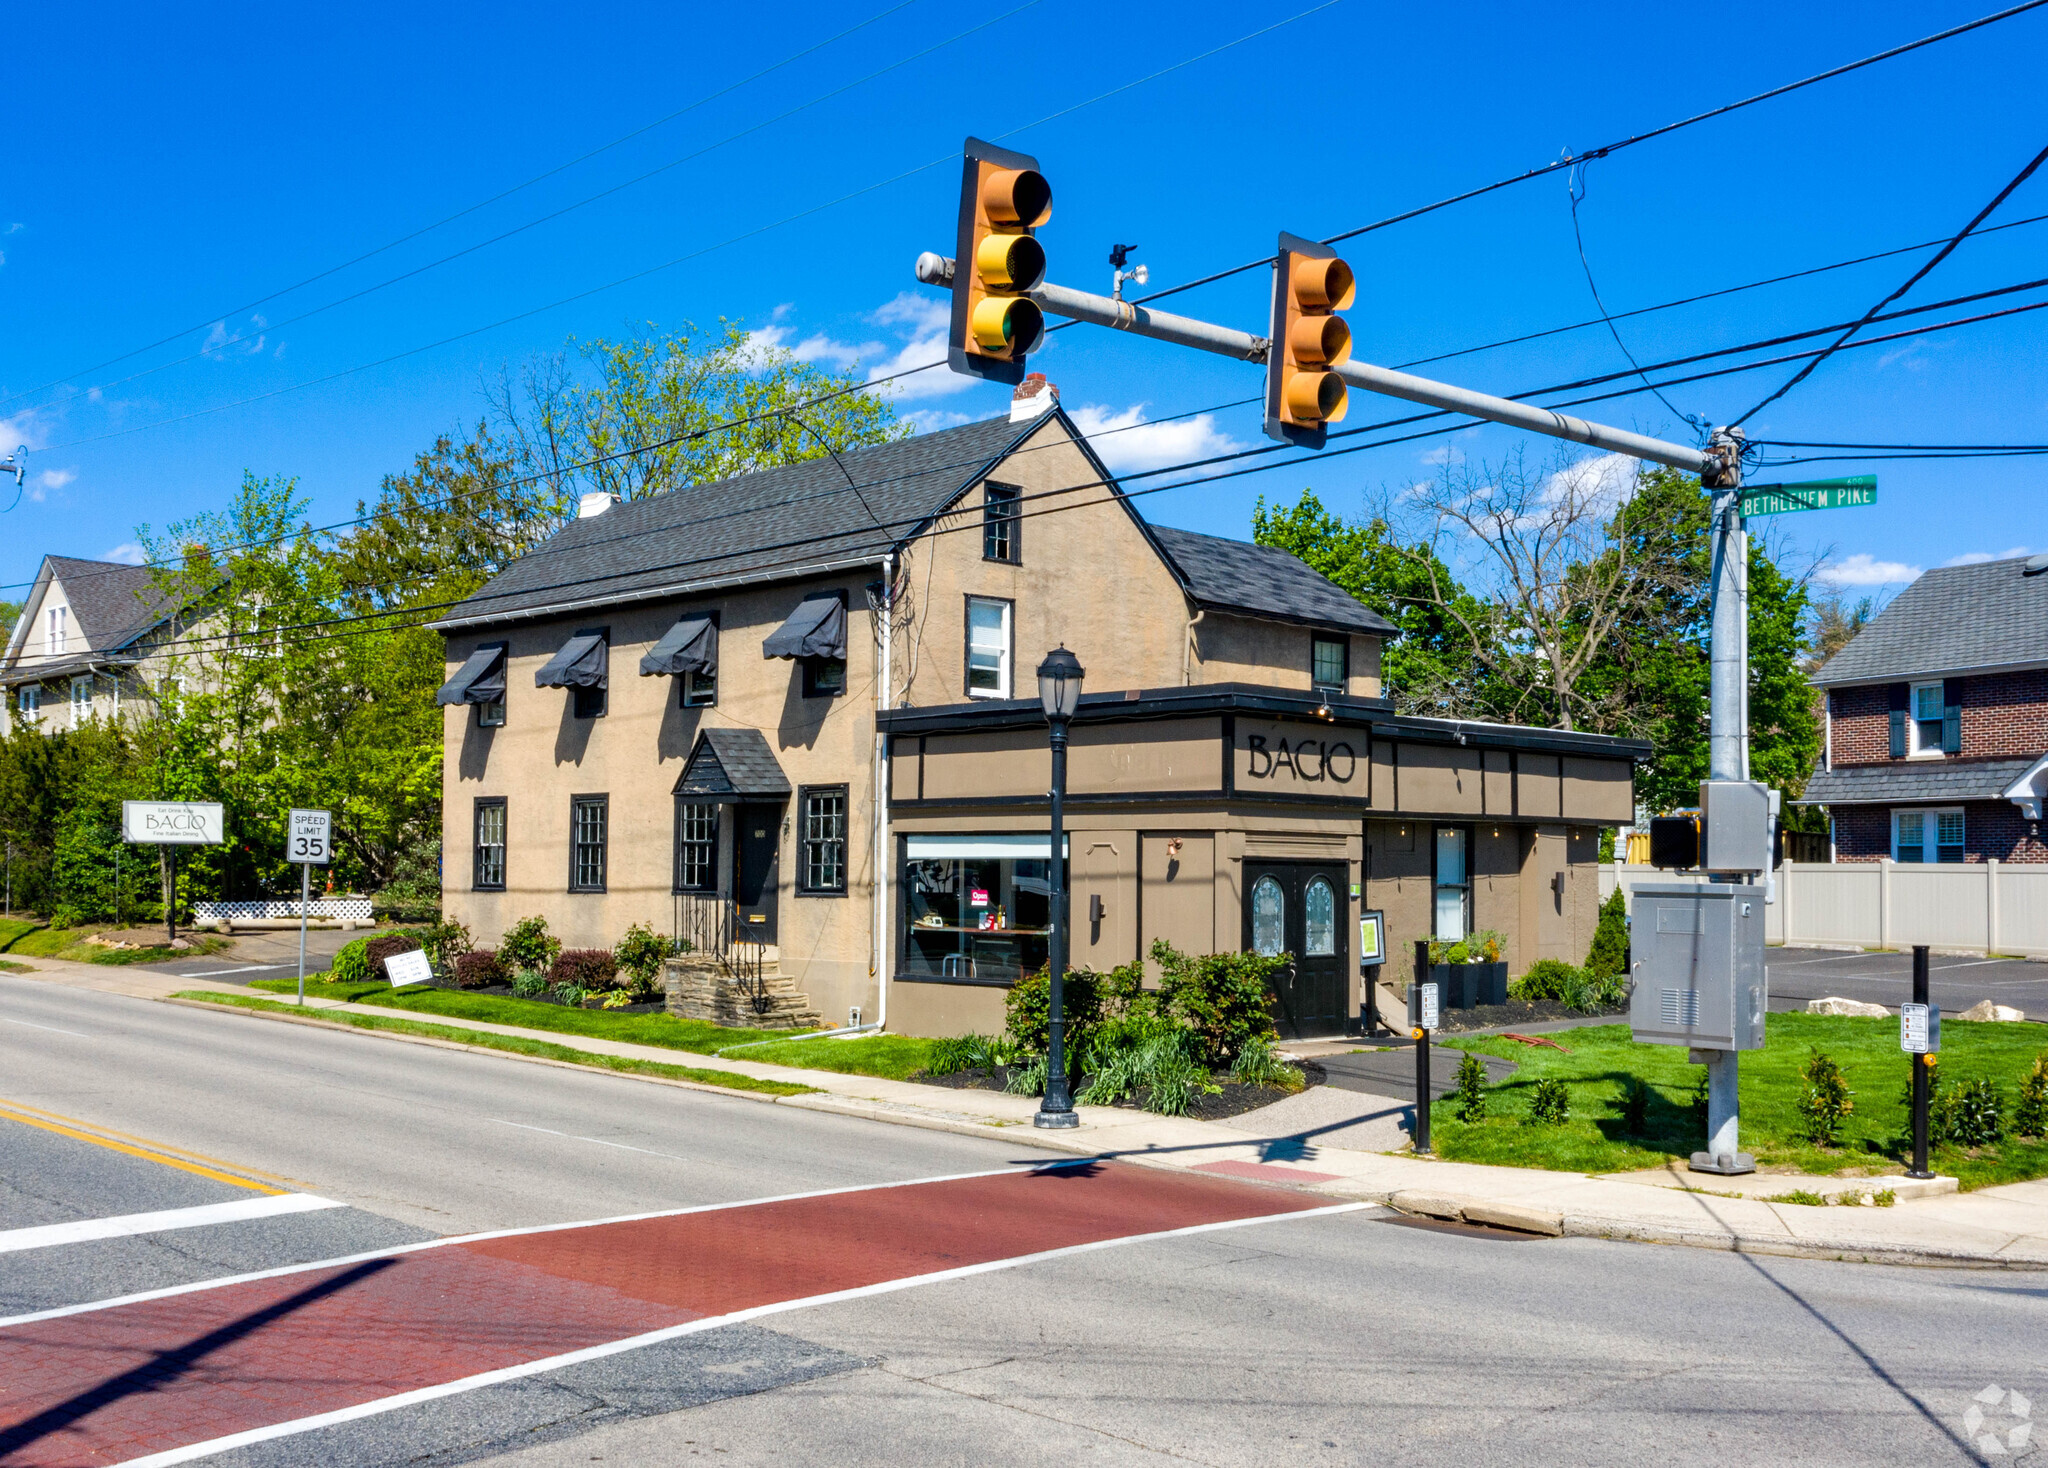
[1298, 909]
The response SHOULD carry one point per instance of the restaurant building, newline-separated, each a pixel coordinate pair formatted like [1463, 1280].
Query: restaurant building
[792, 718]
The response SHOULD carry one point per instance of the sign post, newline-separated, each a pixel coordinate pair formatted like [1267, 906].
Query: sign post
[1423, 1017]
[308, 841]
[1920, 1038]
[167, 825]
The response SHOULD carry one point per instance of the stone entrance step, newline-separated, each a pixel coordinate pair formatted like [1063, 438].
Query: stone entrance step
[748, 992]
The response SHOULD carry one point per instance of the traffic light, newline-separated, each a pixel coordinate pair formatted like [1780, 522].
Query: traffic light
[1303, 396]
[1003, 198]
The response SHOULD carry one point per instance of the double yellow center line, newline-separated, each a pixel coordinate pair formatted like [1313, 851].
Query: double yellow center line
[193, 1162]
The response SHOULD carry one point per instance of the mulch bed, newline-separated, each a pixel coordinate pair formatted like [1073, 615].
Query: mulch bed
[504, 991]
[1232, 1100]
[1503, 1016]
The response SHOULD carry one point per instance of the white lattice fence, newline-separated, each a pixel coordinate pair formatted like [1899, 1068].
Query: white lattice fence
[341, 909]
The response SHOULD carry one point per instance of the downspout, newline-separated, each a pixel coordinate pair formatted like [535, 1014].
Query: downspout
[1187, 649]
[881, 923]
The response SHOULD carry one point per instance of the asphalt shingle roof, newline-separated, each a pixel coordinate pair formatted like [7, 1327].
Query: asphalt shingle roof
[111, 604]
[1235, 575]
[1953, 619]
[732, 762]
[1905, 781]
[784, 522]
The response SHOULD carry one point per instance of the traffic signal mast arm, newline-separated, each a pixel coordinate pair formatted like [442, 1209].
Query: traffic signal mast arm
[1185, 331]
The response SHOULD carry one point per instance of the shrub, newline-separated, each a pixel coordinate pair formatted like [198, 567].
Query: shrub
[529, 984]
[640, 954]
[351, 965]
[1471, 1093]
[1446, 950]
[1824, 1100]
[529, 945]
[1029, 1006]
[1547, 978]
[1257, 1065]
[1549, 1105]
[479, 969]
[1608, 955]
[1635, 1107]
[584, 968]
[1151, 1054]
[1967, 1114]
[1224, 998]
[376, 950]
[446, 941]
[2030, 1117]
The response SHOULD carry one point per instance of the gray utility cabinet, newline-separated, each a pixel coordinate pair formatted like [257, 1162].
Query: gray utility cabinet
[1696, 956]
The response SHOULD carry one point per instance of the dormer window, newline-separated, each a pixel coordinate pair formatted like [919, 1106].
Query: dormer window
[1329, 664]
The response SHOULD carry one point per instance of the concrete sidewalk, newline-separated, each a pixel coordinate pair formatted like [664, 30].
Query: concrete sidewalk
[1335, 1142]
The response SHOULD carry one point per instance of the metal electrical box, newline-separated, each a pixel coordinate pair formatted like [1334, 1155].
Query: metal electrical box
[1735, 826]
[1697, 961]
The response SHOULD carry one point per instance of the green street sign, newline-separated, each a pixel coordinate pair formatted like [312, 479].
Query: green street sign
[1810, 494]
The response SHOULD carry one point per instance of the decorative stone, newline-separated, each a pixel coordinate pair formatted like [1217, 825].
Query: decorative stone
[1834, 1004]
[1984, 1009]
[703, 986]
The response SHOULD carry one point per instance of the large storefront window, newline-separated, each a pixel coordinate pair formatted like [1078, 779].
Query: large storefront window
[976, 908]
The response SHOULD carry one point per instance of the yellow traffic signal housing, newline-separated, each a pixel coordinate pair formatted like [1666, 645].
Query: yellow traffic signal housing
[1003, 198]
[1307, 339]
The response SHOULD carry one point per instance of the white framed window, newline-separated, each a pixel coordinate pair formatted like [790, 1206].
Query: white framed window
[1927, 835]
[700, 690]
[988, 647]
[1453, 884]
[81, 700]
[1923, 719]
[55, 632]
[31, 701]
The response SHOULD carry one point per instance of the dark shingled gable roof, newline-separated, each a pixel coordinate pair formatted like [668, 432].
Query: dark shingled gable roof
[1905, 780]
[1263, 581]
[1951, 620]
[781, 523]
[112, 604]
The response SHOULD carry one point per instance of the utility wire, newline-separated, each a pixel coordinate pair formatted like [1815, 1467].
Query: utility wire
[1912, 280]
[1575, 187]
[1612, 148]
[463, 213]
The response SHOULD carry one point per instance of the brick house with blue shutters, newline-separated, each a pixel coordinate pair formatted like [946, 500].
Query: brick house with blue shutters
[1936, 743]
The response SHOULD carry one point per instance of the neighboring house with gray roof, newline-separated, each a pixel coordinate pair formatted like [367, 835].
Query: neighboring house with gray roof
[1937, 722]
[793, 717]
[89, 643]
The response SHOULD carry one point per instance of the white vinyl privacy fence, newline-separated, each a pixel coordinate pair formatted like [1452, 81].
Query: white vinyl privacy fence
[1978, 907]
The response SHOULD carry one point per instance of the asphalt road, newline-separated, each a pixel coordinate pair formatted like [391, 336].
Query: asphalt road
[1350, 1338]
[270, 954]
[1956, 982]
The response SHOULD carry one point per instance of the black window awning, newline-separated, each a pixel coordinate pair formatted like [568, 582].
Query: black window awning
[691, 646]
[479, 680]
[816, 629]
[582, 663]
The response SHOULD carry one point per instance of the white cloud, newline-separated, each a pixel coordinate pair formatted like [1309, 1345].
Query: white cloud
[56, 478]
[1864, 569]
[1448, 453]
[16, 228]
[1978, 558]
[918, 323]
[128, 554]
[1129, 444]
[25, 427]
[246, 341]
[931, 420]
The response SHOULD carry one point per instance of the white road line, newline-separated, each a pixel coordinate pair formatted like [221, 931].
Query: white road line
[126, 1225]
[669, 1333]
[51, 1028]
[214, 973]
[501, 1233]
[1832, 958]
[595, 1141]
[1942, 968]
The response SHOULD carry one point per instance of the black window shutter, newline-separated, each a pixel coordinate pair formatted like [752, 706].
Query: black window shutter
[1951, 716]
[1900, 694]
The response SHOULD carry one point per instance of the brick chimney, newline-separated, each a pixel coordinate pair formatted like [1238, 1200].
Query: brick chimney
[1034, 396]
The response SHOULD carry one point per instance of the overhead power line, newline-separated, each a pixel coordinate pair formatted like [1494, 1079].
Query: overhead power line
[1609, 149]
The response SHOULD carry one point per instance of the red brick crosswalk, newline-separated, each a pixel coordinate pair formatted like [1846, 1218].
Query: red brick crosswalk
[157, 1375]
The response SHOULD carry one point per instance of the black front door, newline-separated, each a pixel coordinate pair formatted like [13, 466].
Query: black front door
[1299, 909]
[757, 839]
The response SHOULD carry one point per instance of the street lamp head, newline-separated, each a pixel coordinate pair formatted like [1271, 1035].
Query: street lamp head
[1059, 683]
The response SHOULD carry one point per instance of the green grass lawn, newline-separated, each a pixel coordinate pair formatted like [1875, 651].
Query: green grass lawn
[1603, 1057]
[25, 938]
[514, 1044]
[892, 1057]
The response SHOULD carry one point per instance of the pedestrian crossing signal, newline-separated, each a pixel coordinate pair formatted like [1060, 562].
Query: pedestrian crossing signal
[1306, 341]
[1003, 198]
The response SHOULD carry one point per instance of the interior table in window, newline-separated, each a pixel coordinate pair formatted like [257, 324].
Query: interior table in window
[976, 909]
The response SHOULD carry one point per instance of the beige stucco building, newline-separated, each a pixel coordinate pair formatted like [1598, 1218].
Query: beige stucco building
[96, 639]
[793, 717]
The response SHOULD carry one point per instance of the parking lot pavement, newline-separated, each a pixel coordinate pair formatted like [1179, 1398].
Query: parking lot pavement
[1957, 981]
[264, 955]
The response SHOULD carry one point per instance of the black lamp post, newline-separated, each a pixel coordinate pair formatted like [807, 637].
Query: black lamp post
[1059, 689]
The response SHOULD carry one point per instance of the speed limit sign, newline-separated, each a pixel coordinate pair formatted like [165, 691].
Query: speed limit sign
[310, 839]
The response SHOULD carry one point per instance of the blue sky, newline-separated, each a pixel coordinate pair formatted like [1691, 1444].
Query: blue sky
[166, 167]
